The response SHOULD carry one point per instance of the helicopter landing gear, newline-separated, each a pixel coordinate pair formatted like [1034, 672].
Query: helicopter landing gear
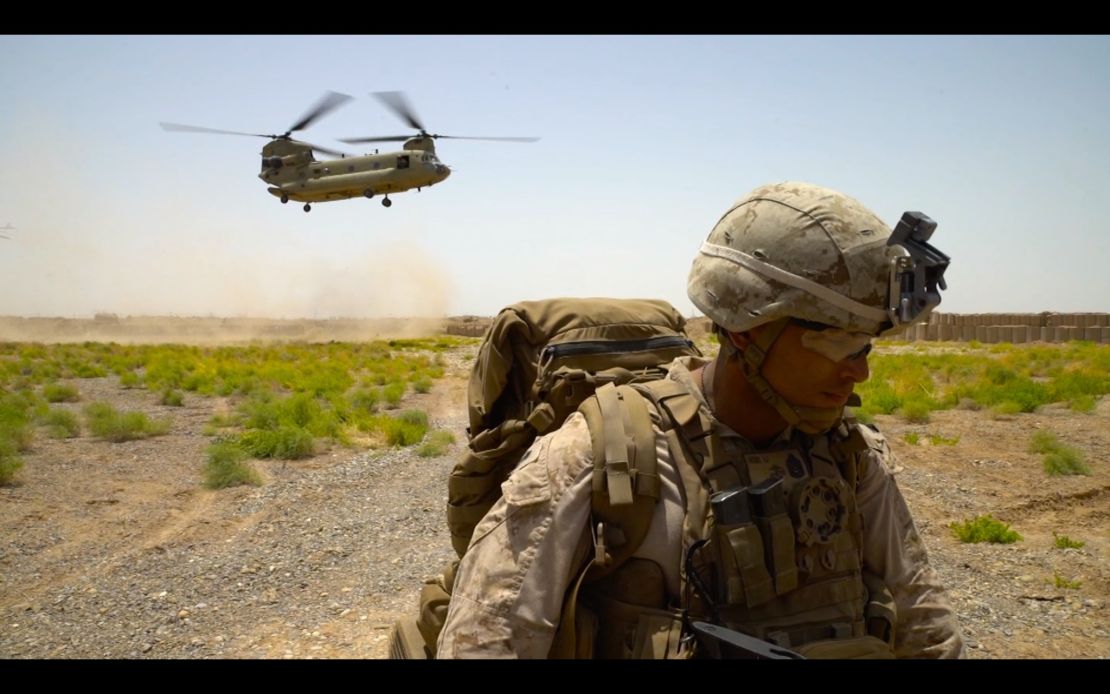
[307, 207]
[368, 193]
[386, 202]
[284, 199]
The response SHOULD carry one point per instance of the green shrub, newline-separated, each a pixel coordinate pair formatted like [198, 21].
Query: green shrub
[59, 392]
[1082, 403]
[984, 529]
[1006, 408]
[10, 462]
[286, 443]
[227, 466]
[393, 394]
[1061, 582]
[436, 444]
[938, 440]
[418, 417]
[61, 424]
[1065, 461]
[1079, 384]
[107, 423]
[20, 437]
[406, 429]
[86, 370]
[1065, 542]
[172, 398]
[14, 422]
[301, 409]
[1043, 442]
[365, 399]
[911, 438]
[1058, 458]
[916, 411]
[260, 412]
[223, 421]
[879, 398]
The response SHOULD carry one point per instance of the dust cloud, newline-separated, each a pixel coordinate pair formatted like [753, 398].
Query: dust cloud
[89, 244]
[395, 291]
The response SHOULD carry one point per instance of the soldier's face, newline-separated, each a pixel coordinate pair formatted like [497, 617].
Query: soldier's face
[806, 378]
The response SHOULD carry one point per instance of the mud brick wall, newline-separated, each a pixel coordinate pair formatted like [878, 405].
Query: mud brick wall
[1017, 328]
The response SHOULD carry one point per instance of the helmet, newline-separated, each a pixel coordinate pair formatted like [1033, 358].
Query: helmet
[802, 251]
[799, 252]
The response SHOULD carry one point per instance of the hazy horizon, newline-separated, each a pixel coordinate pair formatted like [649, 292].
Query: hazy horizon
[646, 141]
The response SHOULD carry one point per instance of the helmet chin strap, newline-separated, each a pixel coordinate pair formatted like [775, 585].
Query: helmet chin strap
[810, 420]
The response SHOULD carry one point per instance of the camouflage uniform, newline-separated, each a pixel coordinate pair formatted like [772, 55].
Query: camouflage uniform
[785, 252]
[510, 585]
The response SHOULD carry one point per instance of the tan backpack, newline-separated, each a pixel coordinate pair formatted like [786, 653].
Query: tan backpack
[537, 363]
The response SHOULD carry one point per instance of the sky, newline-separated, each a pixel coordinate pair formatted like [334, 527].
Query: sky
[645, 142]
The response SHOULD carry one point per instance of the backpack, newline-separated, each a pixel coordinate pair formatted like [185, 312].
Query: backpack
[537, 363]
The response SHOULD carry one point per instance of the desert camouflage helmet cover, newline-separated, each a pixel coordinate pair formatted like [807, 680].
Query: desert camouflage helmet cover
[803, 251]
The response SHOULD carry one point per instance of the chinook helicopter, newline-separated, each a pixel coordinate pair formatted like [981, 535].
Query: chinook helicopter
[293, 172]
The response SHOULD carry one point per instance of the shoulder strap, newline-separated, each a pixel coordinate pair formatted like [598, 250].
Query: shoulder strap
[694, 448]
[625, 481]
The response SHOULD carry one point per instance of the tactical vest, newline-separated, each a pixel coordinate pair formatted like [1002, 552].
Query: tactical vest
[772, 538]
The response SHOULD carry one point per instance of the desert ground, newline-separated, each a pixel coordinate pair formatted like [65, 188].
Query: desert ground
[117, 550]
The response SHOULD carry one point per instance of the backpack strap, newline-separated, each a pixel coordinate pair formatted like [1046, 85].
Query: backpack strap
[682, 416]
[626, 484]
[625, 481]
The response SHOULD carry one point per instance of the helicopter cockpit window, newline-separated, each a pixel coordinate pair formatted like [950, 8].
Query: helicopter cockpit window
[403, 161]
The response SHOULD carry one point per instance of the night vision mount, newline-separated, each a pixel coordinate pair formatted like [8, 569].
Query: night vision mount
[917, 278]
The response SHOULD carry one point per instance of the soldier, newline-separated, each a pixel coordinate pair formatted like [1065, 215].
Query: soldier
[777, 516]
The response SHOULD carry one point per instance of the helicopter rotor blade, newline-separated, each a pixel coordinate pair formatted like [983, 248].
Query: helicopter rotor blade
[325, 150]
[397, 102]
[329, 102]
[178, 127]
[390, 138]
[496, 139]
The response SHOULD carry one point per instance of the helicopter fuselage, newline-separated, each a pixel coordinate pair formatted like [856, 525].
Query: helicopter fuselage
[293, 173]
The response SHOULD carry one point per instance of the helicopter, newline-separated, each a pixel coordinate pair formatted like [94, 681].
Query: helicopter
[293, 173]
